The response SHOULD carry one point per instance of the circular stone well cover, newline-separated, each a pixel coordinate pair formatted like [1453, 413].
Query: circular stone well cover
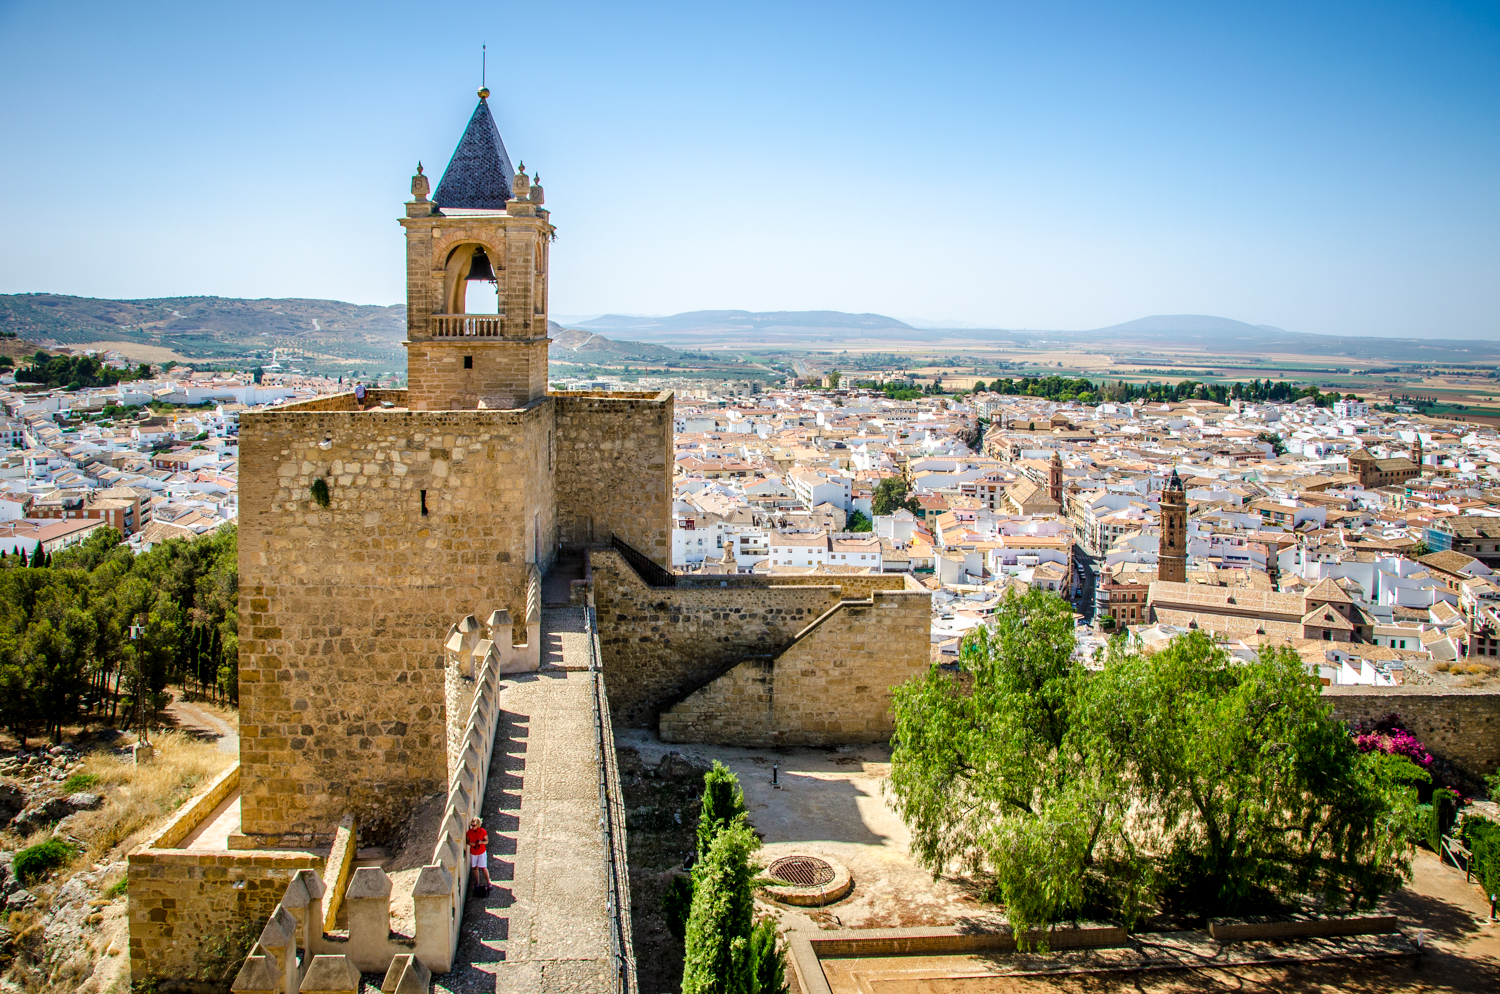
[801, 871]
[809, 881]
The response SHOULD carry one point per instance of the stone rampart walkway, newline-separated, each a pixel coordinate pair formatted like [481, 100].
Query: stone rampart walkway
[545, 926]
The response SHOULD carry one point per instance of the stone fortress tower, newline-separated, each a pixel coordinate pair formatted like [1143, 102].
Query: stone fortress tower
[441, 501]
[1171, 559]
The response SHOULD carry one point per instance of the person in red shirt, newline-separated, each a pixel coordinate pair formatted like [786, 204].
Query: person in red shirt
[479, 855]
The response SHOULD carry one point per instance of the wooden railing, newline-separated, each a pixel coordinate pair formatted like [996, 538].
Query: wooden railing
[468, 325]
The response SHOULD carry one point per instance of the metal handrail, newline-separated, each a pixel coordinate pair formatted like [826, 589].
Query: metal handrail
[611, 816]
[648, 569]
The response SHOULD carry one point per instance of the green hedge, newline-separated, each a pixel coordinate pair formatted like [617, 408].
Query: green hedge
[1482, 837]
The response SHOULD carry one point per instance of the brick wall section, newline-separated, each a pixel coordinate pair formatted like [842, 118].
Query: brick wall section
[342, 609]
[1461, 725]
[504, 374]
[614, 471]
[831, 685]
[186, 904]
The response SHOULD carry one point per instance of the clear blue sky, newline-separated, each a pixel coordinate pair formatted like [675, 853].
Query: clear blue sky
[1325, 168]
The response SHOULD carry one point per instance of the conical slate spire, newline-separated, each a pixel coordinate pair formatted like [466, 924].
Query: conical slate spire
[479, 174]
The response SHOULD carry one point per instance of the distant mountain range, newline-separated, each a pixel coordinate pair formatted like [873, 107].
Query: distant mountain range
[332, 334]
[327, 334]
[1159, 332]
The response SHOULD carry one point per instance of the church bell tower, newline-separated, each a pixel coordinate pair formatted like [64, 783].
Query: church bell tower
[476, 279]
[1171, 559]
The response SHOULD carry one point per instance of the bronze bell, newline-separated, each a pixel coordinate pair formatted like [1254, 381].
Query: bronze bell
[479, 267]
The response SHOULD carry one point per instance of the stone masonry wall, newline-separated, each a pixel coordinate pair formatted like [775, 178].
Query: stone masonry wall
[1461, 725]
[342, 609]
[188, 908]
[614, 471]
[832, 685]
[345, 401]
[661, 644]
[504, 374]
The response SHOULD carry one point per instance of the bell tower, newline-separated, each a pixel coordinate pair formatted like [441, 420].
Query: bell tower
[1171, 559]
[484, 232]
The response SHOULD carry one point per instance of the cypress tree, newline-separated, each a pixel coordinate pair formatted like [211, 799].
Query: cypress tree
[767, 968]
[22, 554]
[717, 956]
[723, 805]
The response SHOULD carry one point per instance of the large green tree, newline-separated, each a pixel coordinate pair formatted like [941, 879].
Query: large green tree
[1183, 779]
[890, 495]
[66, 648]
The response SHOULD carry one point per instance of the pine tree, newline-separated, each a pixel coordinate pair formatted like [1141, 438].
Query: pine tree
[723, 805]
[717, 957]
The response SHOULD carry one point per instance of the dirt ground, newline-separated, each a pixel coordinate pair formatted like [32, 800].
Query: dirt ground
[830, 804]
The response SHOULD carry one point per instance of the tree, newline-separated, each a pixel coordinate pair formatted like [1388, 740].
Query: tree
[723, 805]
[716, 958]
[767, 965]
[1278, 447]
[1182, 780]
[858, 522]
[891, 494]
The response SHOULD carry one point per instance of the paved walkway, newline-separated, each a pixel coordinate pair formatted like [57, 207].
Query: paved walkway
[545, 926]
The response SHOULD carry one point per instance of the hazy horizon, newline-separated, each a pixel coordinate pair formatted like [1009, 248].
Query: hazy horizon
[1328, 170]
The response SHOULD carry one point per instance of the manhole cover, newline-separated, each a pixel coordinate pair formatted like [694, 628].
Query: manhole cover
[803, 871]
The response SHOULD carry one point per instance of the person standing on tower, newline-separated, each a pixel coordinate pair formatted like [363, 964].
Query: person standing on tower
[359, 393]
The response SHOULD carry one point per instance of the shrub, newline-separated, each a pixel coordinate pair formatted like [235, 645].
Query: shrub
[320, 492]
[80, 781]
[1482, 837]
[35, 862]
[118, 888]
[1389, 737]
[1440, 815]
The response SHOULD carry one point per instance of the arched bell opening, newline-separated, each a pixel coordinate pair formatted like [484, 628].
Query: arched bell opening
[471, 281]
